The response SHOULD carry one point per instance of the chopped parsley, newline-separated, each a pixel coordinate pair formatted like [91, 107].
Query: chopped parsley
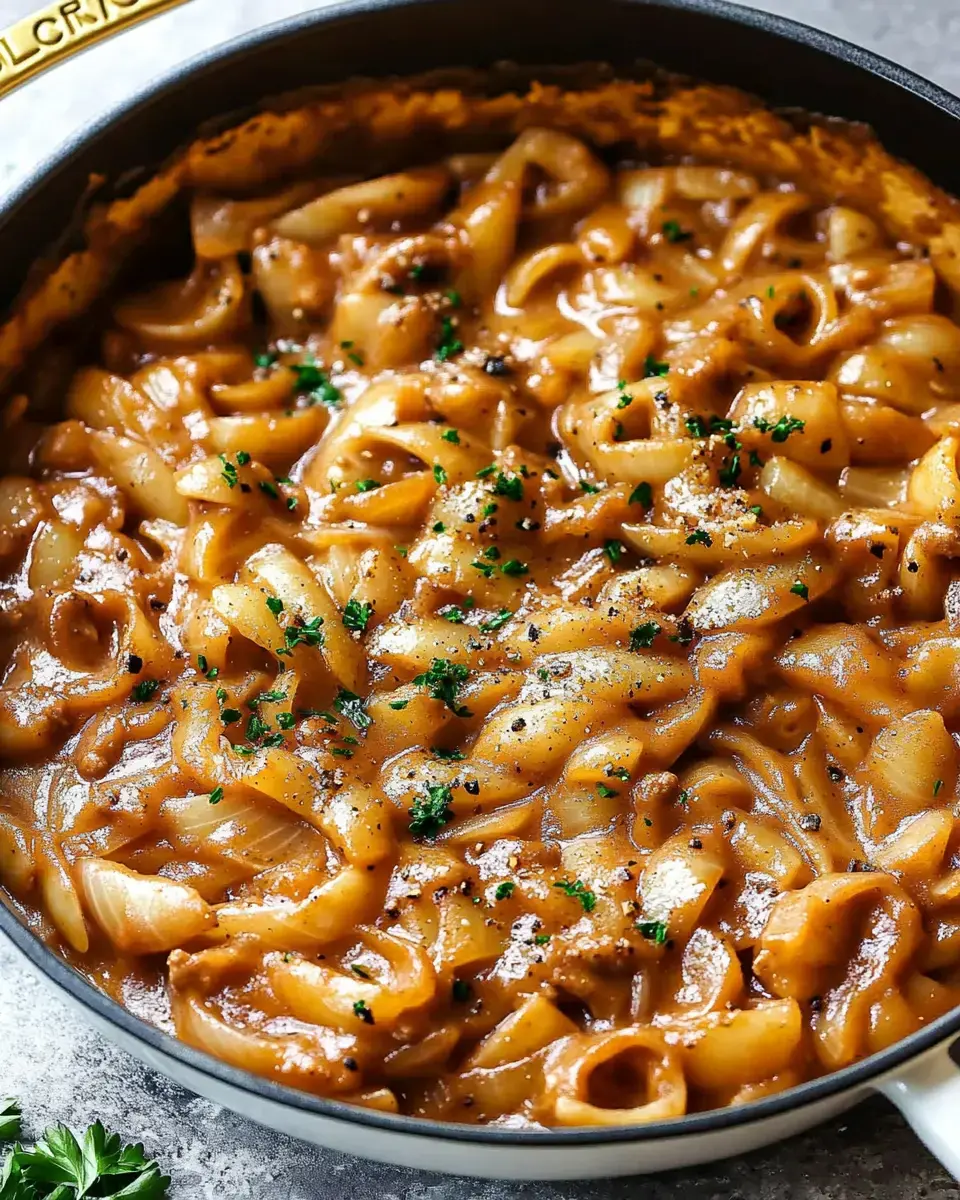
[360, 1010]
[624, 399]
[307, 634]
[613, 549]
[315, 383]
[229, 472]
[216, 795]
[275, 604]
[439, 474]
[700, 537]
[781, 429]
[642, 494]
[144, 690]
[674, 233]
[652, 367]
[367, 485]
[938, 784]
[449, 344]
[356, 615]
[351, 706]
[497, 622]
[268, 489]
[513, 566]
[504, 890]
[606, 793]
[442, 681]
[451, 435]
[642, 637]
[205, 669]
[230, 716]
[399, 705]
[654, 931]
[265, 359]
[578, 890]
[590, 488]
[447, 755]
[454, 614]
[541, 939]
[429, 814]
[510, 486]
[801, 590]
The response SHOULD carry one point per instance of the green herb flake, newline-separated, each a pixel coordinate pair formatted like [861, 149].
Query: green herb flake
[229, 472]
[673, 232]
[443, 680]
[451, 435]
[781, 429]
[801, 590]
[606, 793]
[654, 931]
[365, 1014]
[653, 368]
[351, 706]
[642, 494]
[216, 795]
[429, 814]
[449, 344]
[504, 890]
[275, 604]
[514, 567]
[145, 690]
[497, 622]
[624, 399]
[510, 486]
[614, 550]
[268, 489]
[700, 537]
[938, 784]
[367, 485]
[399, 705]
[356, 616]
[578, 890]
[643, 636]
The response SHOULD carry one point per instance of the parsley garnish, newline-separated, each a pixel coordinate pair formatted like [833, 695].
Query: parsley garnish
[451, 435]
[367, 485]
[268, 489]
[541, 939]
[653, 367]
[205, 669]
[781, 429]
[938, 784]
[642, 637]
[357, 615]
[449, 343]
[590, 488]
[655, 931]
[429, 815]
[447, 755]
[700, 537]
[578, 890]
[307, 634]
[613, 549]
[674, 233]
[513, 566]
[229, 472]
[642, 494]
[97, 1164]
[801, 590]
[351, 706]
[624, 399]
[504, 890]
[605, 792]
[510, 486]
[399, 705]
[439, 474]
[443, 680]
[275, 604]
[216, 795]
[265, 359]
[144, 690]
[497, 622]
[316, 384]
[360, 1010]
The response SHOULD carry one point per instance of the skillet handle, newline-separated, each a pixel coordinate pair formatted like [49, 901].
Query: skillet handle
[927, 1093]
[61, 29]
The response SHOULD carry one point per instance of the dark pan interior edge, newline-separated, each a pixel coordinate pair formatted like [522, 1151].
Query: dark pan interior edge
[914, 118]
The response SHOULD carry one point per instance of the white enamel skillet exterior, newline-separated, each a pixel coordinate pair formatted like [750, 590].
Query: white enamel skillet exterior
[770, 56]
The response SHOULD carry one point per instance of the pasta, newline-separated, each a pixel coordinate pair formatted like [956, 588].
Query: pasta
[484, 643]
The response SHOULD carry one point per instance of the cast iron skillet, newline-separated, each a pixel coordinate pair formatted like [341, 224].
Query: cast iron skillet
[788, 65]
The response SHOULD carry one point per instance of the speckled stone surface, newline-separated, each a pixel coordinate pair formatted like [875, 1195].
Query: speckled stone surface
[61, 1070]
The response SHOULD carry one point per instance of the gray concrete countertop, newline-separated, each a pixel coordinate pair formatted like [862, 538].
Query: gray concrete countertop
[60, 1070]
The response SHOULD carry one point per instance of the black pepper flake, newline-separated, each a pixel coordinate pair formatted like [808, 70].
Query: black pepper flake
[472, 787]
[816, 1003]
[134, 664]
[826, 446]
[938, 364]
[351, 1064]
[810, 822]
[835, 774]
[496, 364]
[533, 633]
[158, 605]
[695, 844]
[518, 725]
[913, 567]
[877, 550]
